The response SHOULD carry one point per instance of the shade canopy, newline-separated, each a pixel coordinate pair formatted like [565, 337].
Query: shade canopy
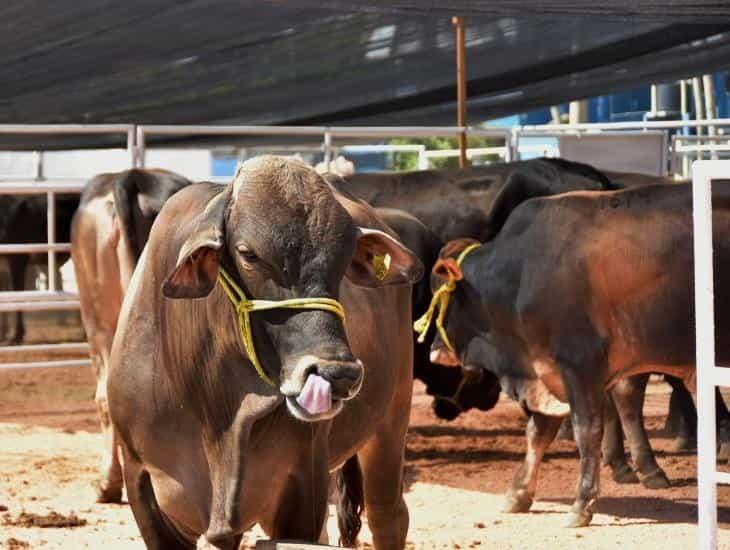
[336, 62]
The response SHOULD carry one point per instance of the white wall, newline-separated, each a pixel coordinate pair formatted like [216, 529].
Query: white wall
[193, 163]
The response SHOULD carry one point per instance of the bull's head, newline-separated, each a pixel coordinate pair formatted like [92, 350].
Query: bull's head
[280, 237]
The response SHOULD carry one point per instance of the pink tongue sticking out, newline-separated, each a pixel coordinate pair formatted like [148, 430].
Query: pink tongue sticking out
[316, 395]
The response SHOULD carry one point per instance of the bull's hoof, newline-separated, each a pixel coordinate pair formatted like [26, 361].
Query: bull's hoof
[107, 495]
[685, 444]
[724, 452]
[656, 480]
[624, 474]
[517, 503]
[579, 519]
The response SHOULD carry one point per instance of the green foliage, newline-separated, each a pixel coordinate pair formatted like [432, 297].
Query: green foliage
[402, 161]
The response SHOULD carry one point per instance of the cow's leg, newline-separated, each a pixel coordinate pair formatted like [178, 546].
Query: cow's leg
[614, 455]
[109, 485]
[18, 263]
[722, 420]
[629, 397]
[540, 432]
[682, 408]
[674, 414]
[156, 531]
[381, 461]
[565, 433]
[586, 405]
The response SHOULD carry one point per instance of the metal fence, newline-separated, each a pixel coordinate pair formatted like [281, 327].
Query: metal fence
[332, 139]
[53, 298]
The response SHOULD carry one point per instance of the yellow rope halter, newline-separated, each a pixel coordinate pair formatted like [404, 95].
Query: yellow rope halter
[440, 300]
[244, 306]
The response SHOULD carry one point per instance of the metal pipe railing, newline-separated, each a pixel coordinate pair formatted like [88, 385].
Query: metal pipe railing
[63, 363]
[53, 299]
[33, 248]
[67, 347]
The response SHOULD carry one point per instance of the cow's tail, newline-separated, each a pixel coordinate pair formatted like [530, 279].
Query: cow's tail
[350, 500]
[125, 192]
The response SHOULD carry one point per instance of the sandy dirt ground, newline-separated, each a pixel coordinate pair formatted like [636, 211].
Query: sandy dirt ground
[456, 475]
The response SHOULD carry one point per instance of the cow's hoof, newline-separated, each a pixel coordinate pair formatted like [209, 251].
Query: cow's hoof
[685, 444]
[724, 452]
[624, 474]
[107, 495]
[579, 519]
[656, 480]
[516, 503]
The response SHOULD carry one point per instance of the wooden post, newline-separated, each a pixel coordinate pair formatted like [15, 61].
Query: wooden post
[460, 88]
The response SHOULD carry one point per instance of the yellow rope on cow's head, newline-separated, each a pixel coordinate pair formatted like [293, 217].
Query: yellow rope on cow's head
[440, 300]
[244, 306]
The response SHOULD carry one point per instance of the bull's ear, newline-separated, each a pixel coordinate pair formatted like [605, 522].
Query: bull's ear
[196, 271]
[381, 260]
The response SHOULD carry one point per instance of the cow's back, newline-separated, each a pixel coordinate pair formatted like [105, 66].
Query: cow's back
[614, 269]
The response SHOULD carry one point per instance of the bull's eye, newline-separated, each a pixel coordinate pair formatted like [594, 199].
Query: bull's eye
[248, 256]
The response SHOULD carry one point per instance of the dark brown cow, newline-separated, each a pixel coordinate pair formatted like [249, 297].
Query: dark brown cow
[209, 447]
[576, 292]
[109, 231]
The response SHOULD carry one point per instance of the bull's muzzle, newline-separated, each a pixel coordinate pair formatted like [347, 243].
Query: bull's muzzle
[317, 388]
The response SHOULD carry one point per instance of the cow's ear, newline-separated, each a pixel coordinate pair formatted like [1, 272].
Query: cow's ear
[196, 271]
[447, 268]
[381, 260]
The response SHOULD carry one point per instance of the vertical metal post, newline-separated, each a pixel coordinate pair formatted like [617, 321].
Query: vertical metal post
[705, 352]
[684, 105]
[461, 88]
[422, 158]
[709, 85]
[51, 229]
[140, 148]
[654, 93]
[38, 165]
[327, 149]
[515, 144]
[131, 147]
[699, 109]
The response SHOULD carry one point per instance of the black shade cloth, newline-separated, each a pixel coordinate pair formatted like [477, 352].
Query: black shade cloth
[276, 62]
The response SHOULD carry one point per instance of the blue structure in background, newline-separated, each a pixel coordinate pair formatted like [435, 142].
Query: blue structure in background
[631, 105]
[223, 165]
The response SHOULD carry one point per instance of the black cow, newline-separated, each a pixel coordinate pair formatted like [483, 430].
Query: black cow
[23, 219]
[475, 203]
[454, 390]
[576, 292]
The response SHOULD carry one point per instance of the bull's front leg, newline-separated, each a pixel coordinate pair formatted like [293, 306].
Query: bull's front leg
[382, 462]
[540, 432]
[586, 405]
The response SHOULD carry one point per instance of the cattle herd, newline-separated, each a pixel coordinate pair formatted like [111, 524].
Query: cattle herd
[251, 339]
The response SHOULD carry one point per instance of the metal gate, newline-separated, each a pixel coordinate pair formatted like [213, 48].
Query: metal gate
[709, 375]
